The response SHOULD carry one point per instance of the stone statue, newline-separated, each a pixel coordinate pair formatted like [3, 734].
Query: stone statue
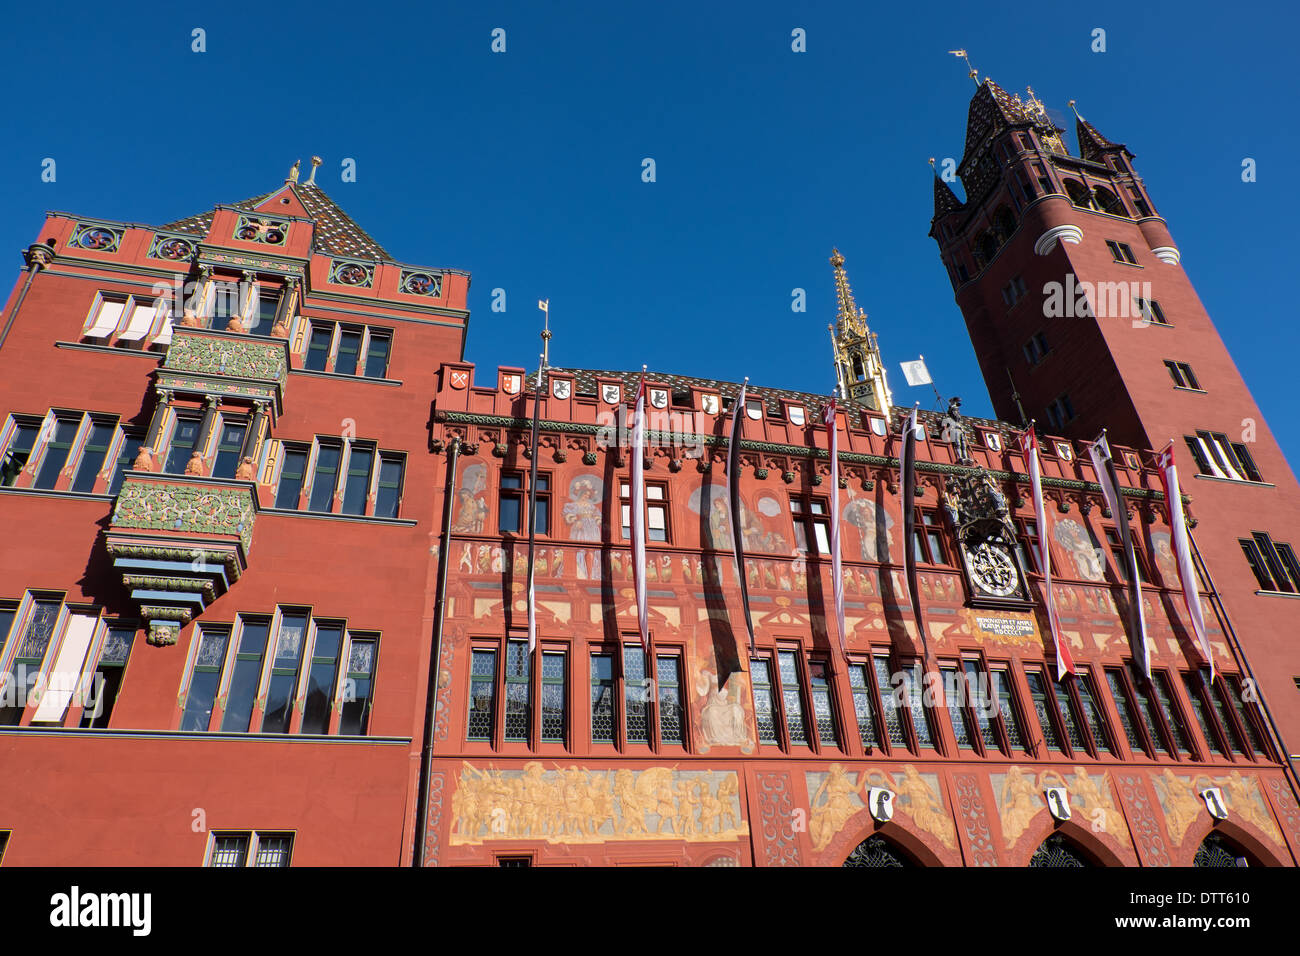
[190, 320]
[235, 325]
[195, 465]
[954, 430]
[144, 460]
[280, 329]
[245, 471]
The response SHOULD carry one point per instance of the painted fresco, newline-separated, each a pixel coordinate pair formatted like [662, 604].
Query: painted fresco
[582, 512]
[836, 796]
[763, 531]
[1180, 800]
[578, 805]
[1074, 538]
[1019, 799]
[471, 507]
[873, 525]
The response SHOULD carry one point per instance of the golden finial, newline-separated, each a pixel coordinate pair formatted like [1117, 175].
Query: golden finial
[293, 171]
[1076, 112]
[850, 317]
[311, 179]
[974, 73]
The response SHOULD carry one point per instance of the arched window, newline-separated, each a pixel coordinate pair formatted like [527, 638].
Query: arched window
[1217, 850]
[1004, 223]
[875, 850]
[858, 372]
[1056, 850]
[1078, 193]
[1109, 202]
[988, 247]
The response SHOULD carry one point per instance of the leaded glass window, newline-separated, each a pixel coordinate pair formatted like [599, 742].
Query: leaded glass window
[1147, 708]
[284, 673]
[672, 726]
[247, 673]
[359, 684]
[208, 660]
[636, 694]
[108, 676]
[916, 707]
[32, 643]
[1006, 706]
[792, 696]
[823, 711]
[764, 701]
[954, 692]
[1128, 715]
[518, 670]
[602, 698]
[1252, 729]
[1056, 851]
[1196, 694]
[1173, 716]
[859, 684]
[482, 693]
[889, 700]
[554, 672]
[1221, 706]
[1038, 694]
[977, 690]
[1215, 851]
[876, 851]
[1092, 714]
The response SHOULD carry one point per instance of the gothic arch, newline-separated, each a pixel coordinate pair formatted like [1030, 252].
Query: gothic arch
[1107, 201]
[1081, 841]
[1255, 852]
[908, 846]
[1078, 193]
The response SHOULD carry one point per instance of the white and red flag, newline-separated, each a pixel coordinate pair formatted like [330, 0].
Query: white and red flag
[1104, 466]
[1029, 445]
[637, 521]
[1183, 551]
[733, 490]
[837, 572]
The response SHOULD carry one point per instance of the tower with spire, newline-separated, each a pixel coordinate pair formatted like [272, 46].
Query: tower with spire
[858, 365]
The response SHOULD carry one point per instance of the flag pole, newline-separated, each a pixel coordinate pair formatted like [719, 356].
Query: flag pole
[538, 392]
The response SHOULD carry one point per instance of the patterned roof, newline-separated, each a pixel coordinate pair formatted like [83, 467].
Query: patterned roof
[585, 384]
[337, 234]
[945, 200]
[1092, 145]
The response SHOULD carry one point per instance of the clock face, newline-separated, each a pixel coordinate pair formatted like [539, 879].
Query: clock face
[992, 570]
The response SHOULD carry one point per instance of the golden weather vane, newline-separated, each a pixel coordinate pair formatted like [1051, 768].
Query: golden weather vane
[974, 73]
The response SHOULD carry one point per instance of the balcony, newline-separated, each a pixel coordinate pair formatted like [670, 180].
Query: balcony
[232, 364]
[179, 543]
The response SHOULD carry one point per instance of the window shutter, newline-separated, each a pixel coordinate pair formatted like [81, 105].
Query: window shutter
[105, 319]
[64, 676]
[140, 321]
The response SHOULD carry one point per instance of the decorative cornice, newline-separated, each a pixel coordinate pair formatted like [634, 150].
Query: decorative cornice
[773, 448]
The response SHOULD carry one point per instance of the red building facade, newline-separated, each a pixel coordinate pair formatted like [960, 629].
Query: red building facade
[308, 607]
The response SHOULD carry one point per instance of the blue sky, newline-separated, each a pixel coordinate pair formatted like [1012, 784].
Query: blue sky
[524, 167]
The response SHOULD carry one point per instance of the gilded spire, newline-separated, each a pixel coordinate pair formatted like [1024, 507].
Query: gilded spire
[859, 367]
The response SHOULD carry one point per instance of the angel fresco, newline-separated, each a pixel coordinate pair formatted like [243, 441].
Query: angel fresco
[1079, 545]
[861, 513]
[582, 511]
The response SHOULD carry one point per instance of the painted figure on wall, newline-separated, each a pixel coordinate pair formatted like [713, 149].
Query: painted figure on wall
[1019, 803]
[471, 509]
[1076, 541]
[582, 510]
[872, 525]
[723, 721]
[1165, 559]
[842, 800]
[718, 513]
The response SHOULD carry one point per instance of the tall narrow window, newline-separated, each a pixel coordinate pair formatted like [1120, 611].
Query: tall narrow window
[389, 493]
[1002, 691]
[229, 445]
[359, 697]
[1182, 375]
[511, 502]
[1221, 706]
[518, 685]
[656, 506]
[92, 456]
[131, 442]
[811, 525]
[377, 350]
[1169, 710]
[18, 453]
[1201, 711]
[860, 686]
[602, 698]
[1092, 712]
[292, 473]
[954, 693]
[792, 696]
[1128, 713]
[672, 725]
[554, 674]
[273, 849]
[760, 674]
[1045, 709]
[57, 448]
[284, 673]
[326, 477]
[318, 347]
[268, 303]
[345, 363]
[1244, 712]
[108, 676]
[185, 436]
[206, 676]
[889, 701]
[981, 707]
[32, 643]
[322, 678]
[822, 706]
[636, 694]
[245, 676]
[229, 850]
[482, 694]
[916, 706]
[357, 485]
